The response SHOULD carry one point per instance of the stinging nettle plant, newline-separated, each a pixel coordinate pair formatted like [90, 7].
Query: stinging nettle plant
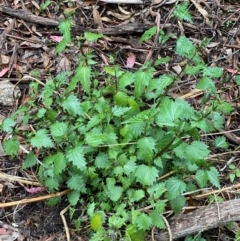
[112, 144]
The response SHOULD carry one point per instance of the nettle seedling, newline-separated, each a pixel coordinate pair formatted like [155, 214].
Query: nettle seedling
[111, 144]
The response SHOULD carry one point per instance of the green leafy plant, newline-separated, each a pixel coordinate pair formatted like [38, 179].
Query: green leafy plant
[234, 172]
[111, 143]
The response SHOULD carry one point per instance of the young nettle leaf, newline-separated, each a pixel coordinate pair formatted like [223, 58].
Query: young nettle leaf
[59, 163]
[137, 195]
[134, 233]
[195, 69]
[129, 167]
[175, 187]
[73, 197]
[11, 147]
[214, 72]
[142, 79]
[146, 147]
[182, 13]
[52, 184]
[197, 150]
[59, 129]
[201, 178]
[114, 192]
[213, 176]
[156, 190]
[8, 124]
[221, 142]
[30, 160]
[206, 83]
[92, 36]
[94, 139]
[72, 105]
[76, 156]
[116, 221]
[178, 203]
[146, 175]
[148, 34]
[41, 139]
[84, 75]
[169, 113]
[185, 47]
[157, 220]
[144, 221]
[96, 221]
[65, 29]
[125, 80]
[102, 161]
[121, 98]
[76, 182]
[119, 111]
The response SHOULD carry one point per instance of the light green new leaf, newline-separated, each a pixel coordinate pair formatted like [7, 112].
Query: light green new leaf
[76, 182]
[41, 139]
[214, 72]
[59, 129]
[72, 105]
[102, 160]
[146, 147]
[129, 167]
[7, 125]
[175, 187]
[206, 83]
[148, 34]
[146, 175]
[30, 160]
[73, 197]
[201, 178]
[182, 13]
[221, 142]
[137, 195]
[76, 156]
[197, 150]
[195, 69]
[92, 36]
[156, 190]
[125, 80]
[11, 147]
[134, 234]
[84, 74]
[65, 28]
[143, 221]
[96, 222]
[213, 176]
[185, 47]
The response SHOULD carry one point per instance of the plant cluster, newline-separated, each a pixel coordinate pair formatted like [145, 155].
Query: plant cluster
[112, 143]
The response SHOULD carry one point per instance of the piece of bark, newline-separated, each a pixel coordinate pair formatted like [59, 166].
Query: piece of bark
[202, 219]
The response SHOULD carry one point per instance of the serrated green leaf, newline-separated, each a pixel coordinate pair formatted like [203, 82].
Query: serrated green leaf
[102, 160]
[175, 187]
[119, 110]
[201, 178]
[221, 142]
[146, 175]
[41, 139]
[84, 73]
[206, 83]
[156, 190]
[121, 98]
[169, 113]
[65, 28]
[94, 139]
[11, 147]
[76, 156]
[135, 234]
[178, 203]
[96, 222]
[182, 13]
[125, 80]
[213, 176]
[30, 160]
[76, 182]
[116, 221]
[148, 34]
[214, 72]
[197, 150]
[185, 47]
[195, 69]
[90, 209]
[114, 192]
[59, 129]
[92, 36]
[137, 195]
[72, 105]
[59, 163]
[73, 197]
[146, 147]
[143, 221]
[52, 184]
[157, 220]
[8, 124]
[129, 167]
[142, 79]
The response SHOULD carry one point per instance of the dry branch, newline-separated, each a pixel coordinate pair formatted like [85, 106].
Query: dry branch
[204, 218]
